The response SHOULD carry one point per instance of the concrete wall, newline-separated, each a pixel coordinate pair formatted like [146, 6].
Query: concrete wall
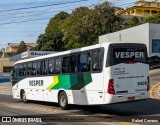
[5, 62]
[154, 33]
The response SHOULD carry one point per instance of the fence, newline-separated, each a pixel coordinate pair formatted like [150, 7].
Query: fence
[5, 77]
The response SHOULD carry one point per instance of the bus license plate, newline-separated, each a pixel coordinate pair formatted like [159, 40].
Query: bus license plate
[131, 98]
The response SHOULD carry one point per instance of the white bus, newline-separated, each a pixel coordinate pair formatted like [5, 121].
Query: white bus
[99, 74]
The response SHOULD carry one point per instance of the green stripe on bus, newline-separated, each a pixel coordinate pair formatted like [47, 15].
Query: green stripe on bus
[73, 82]
[83, 80]
[62, 79]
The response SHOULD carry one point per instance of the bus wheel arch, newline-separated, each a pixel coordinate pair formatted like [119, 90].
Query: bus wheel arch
[63, 100]
[23, 96]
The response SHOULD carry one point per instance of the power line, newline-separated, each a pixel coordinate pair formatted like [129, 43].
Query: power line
[7, 23]
[15, 41]
[27, 36]
[23, 21]
[38, 31]
[41, 6]
[46, 12]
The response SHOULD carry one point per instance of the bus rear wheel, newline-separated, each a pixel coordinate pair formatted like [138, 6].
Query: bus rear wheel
[63, 101]
[23, 96]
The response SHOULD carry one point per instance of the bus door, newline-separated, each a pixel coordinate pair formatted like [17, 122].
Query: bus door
[15, 74]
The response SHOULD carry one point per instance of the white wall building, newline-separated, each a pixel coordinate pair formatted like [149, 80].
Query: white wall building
[148, 33]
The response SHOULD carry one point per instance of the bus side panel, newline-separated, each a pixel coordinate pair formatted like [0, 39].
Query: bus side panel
[34, 87]
[92, 93]
[74, 97]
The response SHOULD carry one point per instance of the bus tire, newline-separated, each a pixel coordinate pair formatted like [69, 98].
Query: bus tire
[23, 96]
[63, 101]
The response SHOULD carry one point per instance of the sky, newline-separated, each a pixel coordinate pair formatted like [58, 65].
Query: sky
[11, 30]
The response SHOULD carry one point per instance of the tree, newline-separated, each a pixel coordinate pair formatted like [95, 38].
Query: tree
[80, 28]
[153, 19]
[132, 22]
[22, 47]
[54, 24]
[107, 21]
[85, 25]
[52, 39]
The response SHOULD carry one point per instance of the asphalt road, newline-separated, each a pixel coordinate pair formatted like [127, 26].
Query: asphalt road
[103, 114]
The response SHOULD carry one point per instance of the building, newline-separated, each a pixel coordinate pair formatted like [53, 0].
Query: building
[141, 8]
[148, 33]
[13, 47]
[6, 65]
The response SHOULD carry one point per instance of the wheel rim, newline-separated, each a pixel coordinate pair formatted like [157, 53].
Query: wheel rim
[63, 100]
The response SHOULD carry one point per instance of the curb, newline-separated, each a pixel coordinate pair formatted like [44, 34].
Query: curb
[152, 89]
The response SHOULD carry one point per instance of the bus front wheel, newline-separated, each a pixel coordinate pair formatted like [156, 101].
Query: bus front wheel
[23, 96]
[63, 101]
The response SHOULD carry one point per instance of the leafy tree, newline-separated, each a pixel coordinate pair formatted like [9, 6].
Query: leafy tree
[85, 25]
[11, 54]
[132, 22]
[107, 21]
[42, 39]
[22, 47]
[80, 28]
[52, 39]
[54, 23]
[153, 19]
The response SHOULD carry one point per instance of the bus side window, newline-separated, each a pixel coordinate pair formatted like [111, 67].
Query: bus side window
[43, 67]
[73, 64]
[84, 62]
[65, 65]
[20, 68]
[29, 69]
[34, 68]
[24, 70]
[51, 66]
[96, 60]
[38, 67]
[57, 66]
